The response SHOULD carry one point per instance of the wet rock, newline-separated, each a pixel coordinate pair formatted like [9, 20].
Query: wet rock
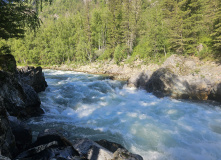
[111, 146]
[198, 89]
[139, 80]
[7, 141]
[7, 63]
[216, 93]
[49, 145]
[33, 77]
[19, 98]
[91, 150]
[21, 132]
[123, 154]
[164, 82]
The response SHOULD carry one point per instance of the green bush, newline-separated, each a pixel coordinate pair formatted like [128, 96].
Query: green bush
[120, 53]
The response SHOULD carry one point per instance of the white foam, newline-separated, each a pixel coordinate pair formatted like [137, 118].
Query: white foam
[154, 128]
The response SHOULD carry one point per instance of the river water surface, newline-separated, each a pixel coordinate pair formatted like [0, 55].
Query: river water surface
[91, 106]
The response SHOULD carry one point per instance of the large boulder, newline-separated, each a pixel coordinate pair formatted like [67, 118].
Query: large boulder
[164, 82]
[7, 141]
[49, 145]
[139, 80]
[20, 99]
[21, 132]
[198, 89]
[33, 77]
[216, 92]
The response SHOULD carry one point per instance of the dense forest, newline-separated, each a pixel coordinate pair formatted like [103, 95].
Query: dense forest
[81, 31]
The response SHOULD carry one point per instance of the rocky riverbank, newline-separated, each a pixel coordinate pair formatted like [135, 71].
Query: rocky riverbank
[19, 100]
[178, 77]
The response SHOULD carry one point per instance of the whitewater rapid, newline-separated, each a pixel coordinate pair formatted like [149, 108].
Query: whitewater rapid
[91, 106]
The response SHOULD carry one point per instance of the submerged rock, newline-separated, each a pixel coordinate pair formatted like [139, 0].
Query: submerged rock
[33, 77]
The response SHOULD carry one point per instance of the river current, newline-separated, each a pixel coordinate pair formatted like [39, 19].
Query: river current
[82, 105]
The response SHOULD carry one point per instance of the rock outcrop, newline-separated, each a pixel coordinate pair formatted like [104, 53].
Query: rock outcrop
[17, 99]
[33, 77]
[164, 82]
[21, 132]
[20, 99]
[7, 140]
[181, 78]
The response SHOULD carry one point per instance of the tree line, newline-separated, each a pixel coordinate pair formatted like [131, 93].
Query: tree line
[82, 31]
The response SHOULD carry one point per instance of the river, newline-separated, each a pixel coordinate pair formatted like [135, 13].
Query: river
[82, 105]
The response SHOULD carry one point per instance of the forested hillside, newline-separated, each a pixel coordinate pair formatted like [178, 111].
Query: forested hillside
[77, 31]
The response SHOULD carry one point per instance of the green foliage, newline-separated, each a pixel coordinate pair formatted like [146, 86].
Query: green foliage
[15, 17]
[4, 47]
[120, 53]
[77, 31]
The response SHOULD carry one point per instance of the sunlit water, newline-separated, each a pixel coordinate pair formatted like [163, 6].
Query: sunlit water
[91, 106]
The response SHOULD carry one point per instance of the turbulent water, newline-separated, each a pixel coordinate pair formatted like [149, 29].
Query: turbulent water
[95, 107]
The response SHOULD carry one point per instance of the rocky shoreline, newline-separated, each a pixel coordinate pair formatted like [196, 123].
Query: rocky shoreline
[19, 100]
[178, 77]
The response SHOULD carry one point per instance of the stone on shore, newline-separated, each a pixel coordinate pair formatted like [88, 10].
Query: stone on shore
[91, 150]
[33, 77]
[49, 145]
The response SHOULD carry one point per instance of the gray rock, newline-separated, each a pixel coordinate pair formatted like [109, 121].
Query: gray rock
[20, 99]
[216, 92]
[7, 141]
[33, 77]
[139, 80]
[91, 150]
[21, 132]
[123, 154]
[49, 145]
[164, 82]
[111, 146]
